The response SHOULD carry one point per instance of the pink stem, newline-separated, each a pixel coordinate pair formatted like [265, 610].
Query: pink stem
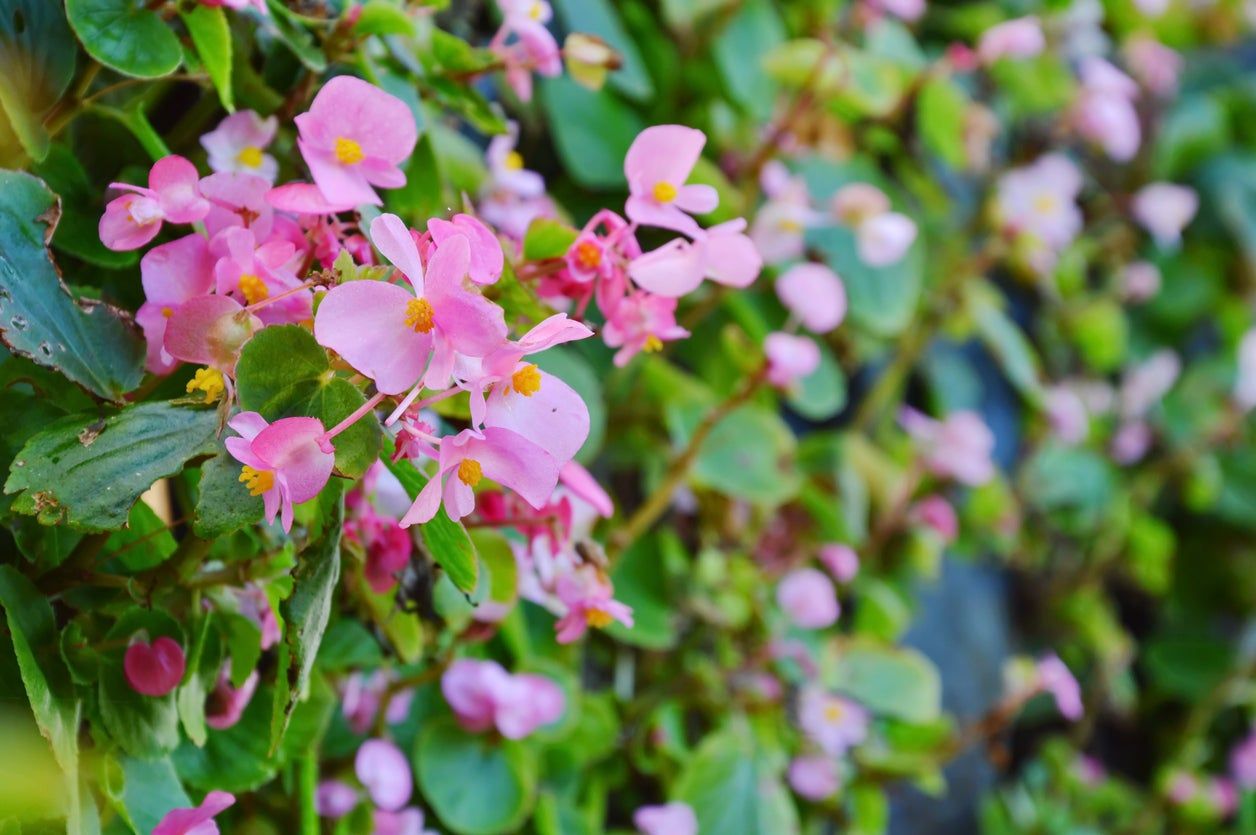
[353, 418]
[285, 294]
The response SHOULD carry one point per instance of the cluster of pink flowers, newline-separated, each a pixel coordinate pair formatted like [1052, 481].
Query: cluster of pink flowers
[524, 45]
[485, 697]
[383, 772]
[832, 725]
[1025, 678]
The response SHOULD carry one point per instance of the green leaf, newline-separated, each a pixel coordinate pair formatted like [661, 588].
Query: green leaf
[1009, 345]
[145, 542]
[598, 17]
[476, 784]
[445, 539]
[640, 580]
[223, 504]
[37, 54]
[592, 131]
[306, 614]
[150, 790]
[734, 789]
[125, 35]
[1034, 86]
[891, 681]
[33, 630]
[422, 196]
[548, 238]
[237, 759]
[294, 35]
[283, 372]
[380, 17]
[822, 393]
[87, 473]
[89, 342]
[212, 37]
[143, 726]
[202, 675]
[739, 51]
[748, 455]
[940, 112]
[882, 299]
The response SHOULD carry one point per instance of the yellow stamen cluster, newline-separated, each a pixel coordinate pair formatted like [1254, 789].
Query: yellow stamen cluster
[253, 288]
[470, 472]
[348, 152]
[536, 10]
[598, 618]
[257, 481]
[833, 712]
[419, 315]
[652, 344]
[664, 192]
[167, 312]
[209, 381]
[1045, 203]
[250, 157]
[588, 255]
[513, 161]
[527, 380]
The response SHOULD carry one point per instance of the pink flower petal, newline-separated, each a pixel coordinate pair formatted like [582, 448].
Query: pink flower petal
[364, 322]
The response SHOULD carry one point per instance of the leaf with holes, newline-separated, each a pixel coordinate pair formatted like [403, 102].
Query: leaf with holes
[91, 343]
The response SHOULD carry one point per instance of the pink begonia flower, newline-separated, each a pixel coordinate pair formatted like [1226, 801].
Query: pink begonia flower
[1245, 379]
[226, 704]
[361, 696]
[388, 549]
[255, 273]
[286, 462]
[908, 10]
[506, 166]
[832, 722]
[590, 600]
[1155, 65]
[239, 200]
[385, 772]
[405, 822]
[1131, 442]
[814, 777]
[936, 513]
[335, 799]
[198, 821]
[534, 49]
[582, 484]
[657, 166]
[154, 669]
[210, 330]
[483, 695]
[239, 142]
[542, 408]
[854, 203]
[779, 228]
[790, 358]
[814, 295]
[1146, 383]
[641, 322]
[669, 819]
[1040, 200]
[389, 333]
[238, 5]
[1164, 210]
[1243, 762]
[353, 137]
[305, 199]
[1018, 38]
[958, 447]
[1140, 281]
[501, 455]
[134, 219]
[1104, 112]
[171, 274]
[808, 599]
[1066, 412]
[252, 603]
[884, 239]
[840, 560]
[1056, 679]
[487, 259]
[723, 254]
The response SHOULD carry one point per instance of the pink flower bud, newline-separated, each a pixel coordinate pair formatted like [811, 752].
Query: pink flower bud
[154, 669]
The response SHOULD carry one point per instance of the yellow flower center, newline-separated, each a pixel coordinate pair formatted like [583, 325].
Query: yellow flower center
[789, 225]
[470, 472]
[250, 157]
[513, 161]
[348, 152]
[419, 315]
[253, 288]
[209, 381]
[536, 10]
[833, 712]
[664, 192]
[652, 344]
[167, 312]
[258, 481]
[588, 255]
[527, 380]
[597, 618]
[1044, 203]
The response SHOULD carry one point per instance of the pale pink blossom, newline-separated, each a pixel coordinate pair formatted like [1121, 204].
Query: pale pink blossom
[171, 274]
[1056, 679]
[832, 722]
[590, 600]
[385, 773]
[808, 599]
[790, 358]
[209, 330]
[1039, 200]
[254, 273]
[506, 167]
[840, 560]
[1104, 112]
[1146, 383]
[483, 696]
[958, 447]
[196, 821]
[173, 195]
[854, 203]
[1018, 38]
[1140, 281]
[908, 10]
[937, 514]
[487, 259]
[1164, 210]
[239, 142]
[1131, 442]
[1155, 65]
[657, 166]
[1243, 762]
[723, 254]
[226, 704]
[884, 239]
[1067, 415]
[814, 777]
[286, 462]
[335, 799]
[641, 322]
[669, 819]
[353, 137]
[154, 669]
[814, 295]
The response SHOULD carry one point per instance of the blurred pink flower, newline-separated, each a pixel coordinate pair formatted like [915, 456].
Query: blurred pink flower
[197, 821]
[226, 704]
[1056, 679]
[958, 447]
[286, 462]
[1164, 210]
[335, 799]
[832, 722]
[1018, 38]
[154, 669]
[790, 358]
[840, 560]
[385, 773]
[239, 142]
[590, 601]
[814, 777]
[483, 695]
[669, 819]
[814, 295]
[936, 513]
[641, 322]
[808, 599]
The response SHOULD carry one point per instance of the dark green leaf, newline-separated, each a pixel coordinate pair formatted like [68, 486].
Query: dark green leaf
[223, 504]
[547, 238]
[733, 790]
[91, 343]
[212, 37]
[125, 35]
[476, 784]
[37, 54]
[592, 131]
[753, 32]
